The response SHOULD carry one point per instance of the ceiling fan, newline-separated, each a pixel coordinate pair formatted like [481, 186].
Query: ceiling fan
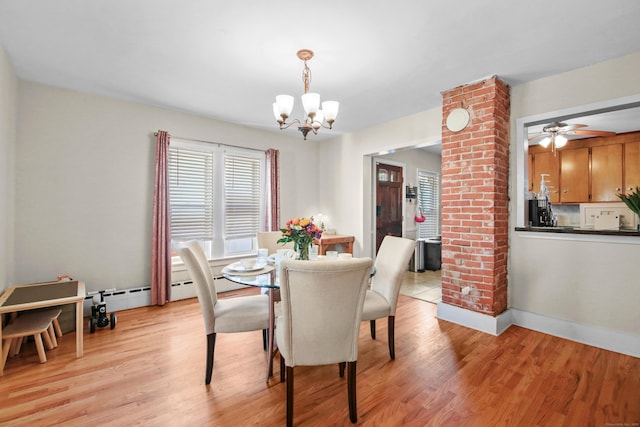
[556, 133]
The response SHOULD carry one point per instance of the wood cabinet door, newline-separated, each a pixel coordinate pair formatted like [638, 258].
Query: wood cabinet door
[631, 166]
[606, 172]
[547, 162]
[574, 173]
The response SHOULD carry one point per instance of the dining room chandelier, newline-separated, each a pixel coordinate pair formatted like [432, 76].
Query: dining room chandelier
[315, 117]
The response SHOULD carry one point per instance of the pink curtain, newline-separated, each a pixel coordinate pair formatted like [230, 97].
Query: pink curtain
[161, 239]
[273, 166]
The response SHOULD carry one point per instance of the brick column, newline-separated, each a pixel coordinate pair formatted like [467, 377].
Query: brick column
[475, 180]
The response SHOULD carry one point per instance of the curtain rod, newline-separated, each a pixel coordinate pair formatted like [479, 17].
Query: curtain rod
[211, 142]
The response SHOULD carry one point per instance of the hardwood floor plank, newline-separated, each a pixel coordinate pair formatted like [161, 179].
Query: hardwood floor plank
[149, 371]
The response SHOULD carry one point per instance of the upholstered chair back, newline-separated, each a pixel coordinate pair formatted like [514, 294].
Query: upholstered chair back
[391, 262]
[269, 240]
[196, 261]
[321, 310]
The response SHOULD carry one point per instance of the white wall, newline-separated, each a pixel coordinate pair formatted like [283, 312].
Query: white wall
[84, 182]
[8, 93]
[345, 181]
[592, 283]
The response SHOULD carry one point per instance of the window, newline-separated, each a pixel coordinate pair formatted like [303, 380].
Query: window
[429, 200]
[216, 196]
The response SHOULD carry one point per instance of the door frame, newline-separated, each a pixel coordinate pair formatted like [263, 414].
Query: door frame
[374, 180]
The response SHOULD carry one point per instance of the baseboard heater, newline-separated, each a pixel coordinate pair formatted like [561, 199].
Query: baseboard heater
[119, 299]
[124, 299]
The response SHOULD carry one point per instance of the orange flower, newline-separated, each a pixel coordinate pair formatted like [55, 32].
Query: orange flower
[304, 222]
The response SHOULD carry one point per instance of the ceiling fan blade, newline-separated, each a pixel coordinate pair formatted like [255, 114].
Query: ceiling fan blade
[536, 139]
[571, 127]
[593, 132]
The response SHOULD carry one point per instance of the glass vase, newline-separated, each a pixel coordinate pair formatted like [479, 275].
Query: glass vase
[303, 251]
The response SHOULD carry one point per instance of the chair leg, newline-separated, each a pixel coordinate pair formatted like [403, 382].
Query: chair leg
[211, 346]
[40, 347]
[47, 339]
[52, 334]
[282, 368]
[289, 396]
[264, 339]
[351, 391]
[56, 326]
[373, 328]
[341, 366]
[8, 343]
[16, 344]
[391, 326]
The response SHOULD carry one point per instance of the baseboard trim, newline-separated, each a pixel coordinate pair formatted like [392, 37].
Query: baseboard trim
[474, 320]
[596, 336]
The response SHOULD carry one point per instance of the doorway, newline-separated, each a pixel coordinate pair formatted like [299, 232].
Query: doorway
[389, 212]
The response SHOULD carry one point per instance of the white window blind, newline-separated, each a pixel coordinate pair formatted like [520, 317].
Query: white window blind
[216, 196]
[191, 194]
[241, 196]
[429, 200]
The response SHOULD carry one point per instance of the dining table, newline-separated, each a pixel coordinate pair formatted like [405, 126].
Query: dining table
[49, 294]
[267, 277]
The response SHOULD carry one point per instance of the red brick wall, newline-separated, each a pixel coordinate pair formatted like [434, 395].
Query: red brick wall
[475, 179]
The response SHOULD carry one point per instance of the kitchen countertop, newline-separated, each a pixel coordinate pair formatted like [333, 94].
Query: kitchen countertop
[578, 230]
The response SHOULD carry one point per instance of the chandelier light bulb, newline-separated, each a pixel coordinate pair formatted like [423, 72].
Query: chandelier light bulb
[311, 103]
[285, 105]
[318, 119]
[330, 109]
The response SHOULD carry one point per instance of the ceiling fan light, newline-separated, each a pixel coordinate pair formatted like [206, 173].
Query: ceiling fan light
[311, 103]
[330, 109]
[285, 104]
[560, 141]
[545, 142]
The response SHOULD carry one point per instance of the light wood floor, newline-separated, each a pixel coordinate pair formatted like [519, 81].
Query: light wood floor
[149, 371]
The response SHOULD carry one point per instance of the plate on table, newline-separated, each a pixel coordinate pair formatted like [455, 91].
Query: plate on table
[237, 266]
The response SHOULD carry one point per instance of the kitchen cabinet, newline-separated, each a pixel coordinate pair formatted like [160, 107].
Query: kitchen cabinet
[631, 166]
[545, 162]
[574, 175]
[606, 172]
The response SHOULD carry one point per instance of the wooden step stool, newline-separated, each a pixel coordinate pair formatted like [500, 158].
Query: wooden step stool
[40, 324]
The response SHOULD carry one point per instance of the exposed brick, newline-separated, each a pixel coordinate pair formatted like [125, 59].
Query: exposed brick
[475, 176]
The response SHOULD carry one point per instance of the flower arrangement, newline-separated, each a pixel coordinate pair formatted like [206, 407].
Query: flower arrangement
[632, 200]
[301, 231]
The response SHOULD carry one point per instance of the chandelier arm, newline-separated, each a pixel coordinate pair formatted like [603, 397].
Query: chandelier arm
[285, 125]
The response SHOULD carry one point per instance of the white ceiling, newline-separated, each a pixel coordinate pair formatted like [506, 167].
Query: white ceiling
[382, 60]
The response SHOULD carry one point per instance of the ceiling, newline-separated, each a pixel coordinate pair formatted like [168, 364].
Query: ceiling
[382, 60]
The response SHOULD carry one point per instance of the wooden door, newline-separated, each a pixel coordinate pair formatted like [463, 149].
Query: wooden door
[388, 202]
[574, 175]
[606, 172]
[631, 166]
[546, 162]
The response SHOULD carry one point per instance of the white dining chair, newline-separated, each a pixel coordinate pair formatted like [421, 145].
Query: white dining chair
[239, 314]
[391, 262]
[319, 319]
[269, 240]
